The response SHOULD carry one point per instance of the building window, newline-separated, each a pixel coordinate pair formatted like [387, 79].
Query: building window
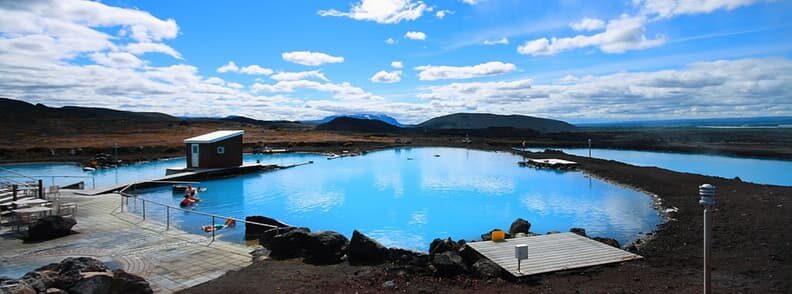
[220, 150]
[195, 148]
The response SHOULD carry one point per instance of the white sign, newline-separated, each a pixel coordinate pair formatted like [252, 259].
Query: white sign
[521, 251]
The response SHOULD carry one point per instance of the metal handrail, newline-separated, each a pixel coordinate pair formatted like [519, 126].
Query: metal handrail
[168, 207]
[16, 173]
[93, 179]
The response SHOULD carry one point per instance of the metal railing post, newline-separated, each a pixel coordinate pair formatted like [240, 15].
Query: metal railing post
[14, 191]
[213, 230]
[144, 208]
[93, 182]
[122, 202]
[167, 217]
[41, 189]
[707, 193]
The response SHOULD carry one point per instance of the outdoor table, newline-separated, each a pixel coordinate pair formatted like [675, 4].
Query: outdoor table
[29, 202]
[31, 210]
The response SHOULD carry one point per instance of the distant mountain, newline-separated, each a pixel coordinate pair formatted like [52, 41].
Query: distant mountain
[768, 121]
[381, 117]
[486, 120]
[359, 125]
[266, 123]
[15, 109]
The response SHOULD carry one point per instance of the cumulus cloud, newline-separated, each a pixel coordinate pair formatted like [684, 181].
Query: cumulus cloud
[501, 41]
[343, 90]
[253, 69]
[142, 48]
[415, 35]
[397, 64]
[311, 58]
[471, 2]
[443, 72]
[620, 35]
[300, 75]
[390, 41]
[704, 89]
[117, 59]
[588, 24]
[386, 76]
[442, 13]
[228, 67]
[671, 8]
[381, 11]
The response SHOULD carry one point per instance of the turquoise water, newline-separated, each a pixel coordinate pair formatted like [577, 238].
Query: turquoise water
[401, 197]
[124, 174]
[407, 197]
[762, 171]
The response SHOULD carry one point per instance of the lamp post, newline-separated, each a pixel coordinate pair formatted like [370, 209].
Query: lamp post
[707, 193]
[589, 142]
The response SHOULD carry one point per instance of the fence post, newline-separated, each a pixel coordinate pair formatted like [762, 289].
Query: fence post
[122, 202]
[41, 189]
[144, 208]
[167, 217]
[213, 230]
[93, 182]
[14, 190]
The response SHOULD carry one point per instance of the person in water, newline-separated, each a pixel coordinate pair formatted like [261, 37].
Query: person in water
[228, 223]
[187, 201]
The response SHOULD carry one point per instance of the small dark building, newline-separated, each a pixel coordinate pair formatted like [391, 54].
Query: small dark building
[215, 150]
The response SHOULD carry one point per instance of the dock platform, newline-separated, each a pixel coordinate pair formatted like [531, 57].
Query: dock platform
[187, 175]
[549, 253]
[550, 162]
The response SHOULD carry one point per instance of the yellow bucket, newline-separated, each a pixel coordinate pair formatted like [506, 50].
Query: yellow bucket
[498, 236]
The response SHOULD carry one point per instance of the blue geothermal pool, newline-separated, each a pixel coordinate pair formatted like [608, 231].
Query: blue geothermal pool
[402, 197]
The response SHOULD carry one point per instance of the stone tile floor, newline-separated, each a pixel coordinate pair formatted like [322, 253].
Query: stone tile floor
[170, 260]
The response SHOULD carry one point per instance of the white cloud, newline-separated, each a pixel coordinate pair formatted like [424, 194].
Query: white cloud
[254, 69]
[228, 67]
[386, 76]
[442, 13]
[343, 90]
[397, 64]
[671, 8]
[588, 24]
[471, 2]
[432, 73]
[415, 35]
[382, 11]
[215, 81]
[300, 75]
[117, 59]
[142, 48]
[310, 58]
[620, 35]
[501, 41]
[704, 89]
[390, 41]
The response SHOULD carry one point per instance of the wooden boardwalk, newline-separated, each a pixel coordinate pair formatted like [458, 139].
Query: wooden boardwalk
[548, 253]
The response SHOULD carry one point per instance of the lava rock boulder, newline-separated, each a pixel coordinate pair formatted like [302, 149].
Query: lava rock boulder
[448, 264]
[50, 227]
[519, 226]
[364, 250]
[326, 247]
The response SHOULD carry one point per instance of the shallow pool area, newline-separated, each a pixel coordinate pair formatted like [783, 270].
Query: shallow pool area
[755, 170]
[406, 197]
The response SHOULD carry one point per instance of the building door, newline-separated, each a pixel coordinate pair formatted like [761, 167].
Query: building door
[195, 155]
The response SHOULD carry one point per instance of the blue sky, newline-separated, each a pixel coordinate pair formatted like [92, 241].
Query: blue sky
[573, 60]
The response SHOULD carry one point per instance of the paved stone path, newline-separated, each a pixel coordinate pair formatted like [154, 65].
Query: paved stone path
[170, 260]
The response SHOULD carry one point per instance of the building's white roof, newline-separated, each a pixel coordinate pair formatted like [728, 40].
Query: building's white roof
[214, 136]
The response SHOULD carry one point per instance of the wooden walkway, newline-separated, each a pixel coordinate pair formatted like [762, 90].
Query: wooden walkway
[549, 253]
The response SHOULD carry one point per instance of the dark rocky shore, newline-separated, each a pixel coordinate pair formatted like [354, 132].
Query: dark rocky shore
[752, 249]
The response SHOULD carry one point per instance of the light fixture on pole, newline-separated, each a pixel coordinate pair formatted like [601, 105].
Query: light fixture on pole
[707, 193]
[589, 141]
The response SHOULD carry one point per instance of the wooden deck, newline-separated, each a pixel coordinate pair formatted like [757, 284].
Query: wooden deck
[549, 253]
